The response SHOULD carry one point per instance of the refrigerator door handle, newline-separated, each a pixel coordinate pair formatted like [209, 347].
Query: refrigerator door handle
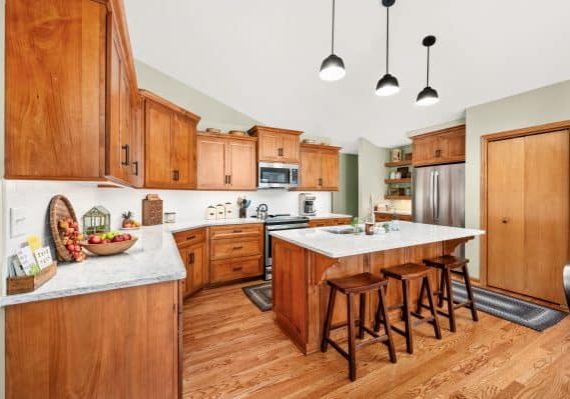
[431, 189]
[436, 194]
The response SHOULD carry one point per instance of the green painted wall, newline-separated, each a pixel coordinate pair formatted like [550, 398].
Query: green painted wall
[346, 199]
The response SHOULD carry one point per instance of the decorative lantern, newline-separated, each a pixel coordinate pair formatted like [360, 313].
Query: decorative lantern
[97, 220]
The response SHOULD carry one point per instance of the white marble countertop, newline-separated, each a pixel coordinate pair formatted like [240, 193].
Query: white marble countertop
[397, 212]
[340, 245]
[329, 216]
[153, 259]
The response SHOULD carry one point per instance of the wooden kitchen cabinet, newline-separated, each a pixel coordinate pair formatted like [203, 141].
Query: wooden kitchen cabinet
[277, 145]
[439, 147]
[193, 248]
[226, 163]
[170, 144]
[55, 89]
[325, 222]
[236, 252]
[319, 167]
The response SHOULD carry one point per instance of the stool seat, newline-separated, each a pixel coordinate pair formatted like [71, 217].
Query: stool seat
[358, 283]
[406, 271]
[446, 261]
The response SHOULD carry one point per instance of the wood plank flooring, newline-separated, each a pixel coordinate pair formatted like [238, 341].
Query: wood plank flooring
[233, 350]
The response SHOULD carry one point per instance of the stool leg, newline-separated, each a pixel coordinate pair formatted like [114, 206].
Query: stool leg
[378, 317]
[420, 298]
[407, 317]
[386, 321]
[436, 327]
[328, 320]
[470, 293]
[441, 290]
[351, 339]
[361, 316]
[450, 305]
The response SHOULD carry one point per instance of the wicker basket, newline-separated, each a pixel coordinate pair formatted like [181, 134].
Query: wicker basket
[60, 207]
[111, 248]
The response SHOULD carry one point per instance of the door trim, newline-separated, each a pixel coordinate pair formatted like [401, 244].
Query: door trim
[485, 140]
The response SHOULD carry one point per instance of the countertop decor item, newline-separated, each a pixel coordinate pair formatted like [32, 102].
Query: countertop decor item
[128, 222]
[111, 248]
[96, 220]
[23, 284]
[169, 217]
[237, 133]
[152, 210]
[211, 213]
[243, 204]
[60, 208]
[213, 130]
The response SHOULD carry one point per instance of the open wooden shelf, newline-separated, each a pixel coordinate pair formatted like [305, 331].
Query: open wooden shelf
[393, 181]
[398, 197]
[398, 163]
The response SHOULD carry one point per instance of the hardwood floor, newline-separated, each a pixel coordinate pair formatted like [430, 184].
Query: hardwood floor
[232, 350]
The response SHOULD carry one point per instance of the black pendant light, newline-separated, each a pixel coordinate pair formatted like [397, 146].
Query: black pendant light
[332, 67]
[388, 84]
[428, 96]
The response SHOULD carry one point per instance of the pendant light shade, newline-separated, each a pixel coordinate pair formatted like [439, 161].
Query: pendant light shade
[388, 84]
[428, 96]
[332, 67]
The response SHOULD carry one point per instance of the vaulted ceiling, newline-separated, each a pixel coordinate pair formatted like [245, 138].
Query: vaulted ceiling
[262, 57]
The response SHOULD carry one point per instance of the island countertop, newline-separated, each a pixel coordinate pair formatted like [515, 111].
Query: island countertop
[153, 259]
[322, 241]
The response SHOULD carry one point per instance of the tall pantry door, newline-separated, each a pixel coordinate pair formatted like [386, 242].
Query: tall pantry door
[528, 196]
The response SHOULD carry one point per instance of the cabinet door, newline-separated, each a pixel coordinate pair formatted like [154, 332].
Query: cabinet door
[158, 145]
[211, 163]
[113, 161]
[55, 89]
[452, 145]
[137, 141]
[242, 165]
[183, 152]
[196, 268]
[269, 146]
[289, 148]
[310, 168]
[126, 126]
[426, 150]
[505, 215]
[329, 170]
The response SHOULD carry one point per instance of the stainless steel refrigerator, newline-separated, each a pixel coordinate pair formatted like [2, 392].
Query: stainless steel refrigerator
[439, 195]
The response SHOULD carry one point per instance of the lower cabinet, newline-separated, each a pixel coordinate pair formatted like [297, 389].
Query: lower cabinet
[387, 216]
[329, 222]
[219, 255]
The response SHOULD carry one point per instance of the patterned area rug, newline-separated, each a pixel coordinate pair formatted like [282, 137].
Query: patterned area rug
[260, 295]
[525, 313]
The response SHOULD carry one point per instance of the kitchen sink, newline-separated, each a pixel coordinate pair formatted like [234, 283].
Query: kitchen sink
[340, 230]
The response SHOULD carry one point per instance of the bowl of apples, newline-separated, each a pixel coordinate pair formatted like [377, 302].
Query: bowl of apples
[111, 243]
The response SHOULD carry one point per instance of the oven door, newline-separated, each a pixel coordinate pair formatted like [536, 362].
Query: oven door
[269, 229]
[277, 175]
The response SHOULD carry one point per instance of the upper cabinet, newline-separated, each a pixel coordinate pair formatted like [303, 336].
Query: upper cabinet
[277, 145]
[439, 147]
[70, 91]
[55, 89]
[226, 163]
[319, 167]
[170, 144]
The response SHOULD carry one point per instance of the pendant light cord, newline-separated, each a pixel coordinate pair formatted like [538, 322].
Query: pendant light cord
[427, 77]
[387, 38]
[332, 32]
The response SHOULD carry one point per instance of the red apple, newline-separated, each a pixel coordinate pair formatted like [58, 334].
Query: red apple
[71, 247]
[106, 241]
[118, 238]
[127, 237]
[95, 239]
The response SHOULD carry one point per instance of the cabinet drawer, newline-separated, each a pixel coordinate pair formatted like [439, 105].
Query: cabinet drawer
[235, 269]
[235, 248]
[189, 237]
[321, 222]
[342, 221]
[236, 231]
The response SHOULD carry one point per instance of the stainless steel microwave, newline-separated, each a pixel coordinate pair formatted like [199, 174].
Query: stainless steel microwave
[278, 175]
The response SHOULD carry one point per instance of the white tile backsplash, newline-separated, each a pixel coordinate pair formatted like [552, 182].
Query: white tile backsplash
[35, 195]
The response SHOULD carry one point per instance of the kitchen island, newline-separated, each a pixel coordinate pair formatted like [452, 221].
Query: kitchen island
[304, 259]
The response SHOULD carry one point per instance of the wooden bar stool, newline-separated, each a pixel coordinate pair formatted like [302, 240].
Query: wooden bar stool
[446, 266]
[359, 284]
[406, 273]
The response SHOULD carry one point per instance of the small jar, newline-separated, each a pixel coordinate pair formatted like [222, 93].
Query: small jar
[369, 228]
[169, 217]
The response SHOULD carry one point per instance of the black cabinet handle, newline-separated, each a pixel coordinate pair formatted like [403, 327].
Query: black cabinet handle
[437, 153]
[136, 168]
[237, 269]
[229, 179]
[190, 237]
[320, 181]
[126, 149]
[191, 258]
[280, 152]
[236, 248]
[175, 175]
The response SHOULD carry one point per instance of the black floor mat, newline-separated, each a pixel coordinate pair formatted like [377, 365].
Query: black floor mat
[260, 295]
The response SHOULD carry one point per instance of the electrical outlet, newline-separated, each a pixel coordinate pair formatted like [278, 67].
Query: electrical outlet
[18, 221]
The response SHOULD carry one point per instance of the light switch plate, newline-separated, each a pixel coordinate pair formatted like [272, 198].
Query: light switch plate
[18, 221]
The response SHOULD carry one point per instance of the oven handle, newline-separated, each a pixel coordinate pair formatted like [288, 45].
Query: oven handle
[287, 227]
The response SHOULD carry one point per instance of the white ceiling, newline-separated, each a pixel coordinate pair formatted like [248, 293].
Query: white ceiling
[262, 57]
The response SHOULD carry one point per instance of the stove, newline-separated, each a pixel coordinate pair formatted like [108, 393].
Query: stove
[277, 223]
